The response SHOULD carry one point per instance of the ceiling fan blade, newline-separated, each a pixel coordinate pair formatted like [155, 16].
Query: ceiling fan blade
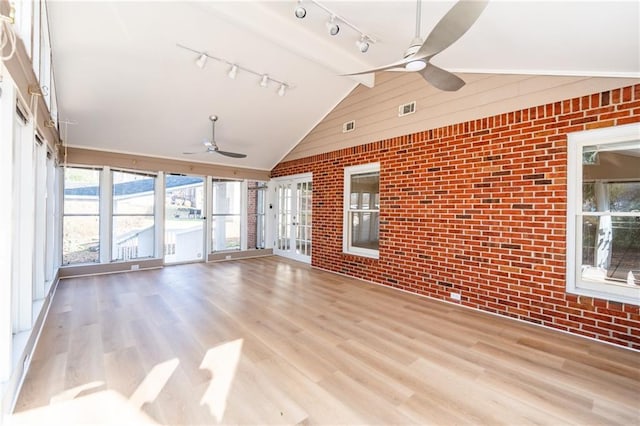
[399, 64]
[452, 26]
[441, 79]
[230, 154]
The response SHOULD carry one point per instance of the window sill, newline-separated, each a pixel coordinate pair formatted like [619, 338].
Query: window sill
[632, 298]
[375, 256]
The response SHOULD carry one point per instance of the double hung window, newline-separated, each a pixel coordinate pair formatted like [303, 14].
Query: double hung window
[603, 222]
[362, 210]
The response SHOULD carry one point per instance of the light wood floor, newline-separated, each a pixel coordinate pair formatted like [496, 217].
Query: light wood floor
[271, 341]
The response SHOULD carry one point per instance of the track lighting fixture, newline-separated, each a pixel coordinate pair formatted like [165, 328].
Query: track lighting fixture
[233, 72]
[300, 11]
[332, 26]
[201, 61]
[334, 22]
[363, 44]
[234, 68]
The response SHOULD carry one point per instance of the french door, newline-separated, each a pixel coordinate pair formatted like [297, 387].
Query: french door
[293, 217]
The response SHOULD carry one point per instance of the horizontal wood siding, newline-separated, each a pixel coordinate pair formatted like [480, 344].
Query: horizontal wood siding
[375, 111]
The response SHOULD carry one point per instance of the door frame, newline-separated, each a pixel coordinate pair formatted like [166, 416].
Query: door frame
[203, 217]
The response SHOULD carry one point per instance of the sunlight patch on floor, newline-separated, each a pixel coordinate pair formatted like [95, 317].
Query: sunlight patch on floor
[153, 383]
[73, 393]
[222, 361]
[104, 407]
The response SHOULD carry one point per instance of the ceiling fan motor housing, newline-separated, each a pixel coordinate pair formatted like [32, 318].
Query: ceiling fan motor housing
[415, 45]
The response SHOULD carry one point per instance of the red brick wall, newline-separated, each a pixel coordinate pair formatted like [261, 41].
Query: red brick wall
[477, 208]
[252, 208]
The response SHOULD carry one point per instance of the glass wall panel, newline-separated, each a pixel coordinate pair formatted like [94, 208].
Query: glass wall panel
[226, 223]
[81, 208]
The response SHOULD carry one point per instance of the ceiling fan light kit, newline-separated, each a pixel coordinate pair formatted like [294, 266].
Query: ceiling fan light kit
[453, 25]
[333, 24]
[415, 65]
[264, 81]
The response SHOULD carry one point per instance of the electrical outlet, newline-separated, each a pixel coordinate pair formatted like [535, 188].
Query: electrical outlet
[135, 267]
[456, 296]
[228, 257]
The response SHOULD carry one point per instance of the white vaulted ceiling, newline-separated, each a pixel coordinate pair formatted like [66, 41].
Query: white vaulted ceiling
[122, 79]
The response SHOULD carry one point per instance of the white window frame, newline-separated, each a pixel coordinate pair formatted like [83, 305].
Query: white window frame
[347, 247]
[575, 284]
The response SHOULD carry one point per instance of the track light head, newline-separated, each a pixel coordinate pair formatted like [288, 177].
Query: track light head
[233, 71]
[264, 82]
[300, 11]
[363, 44]
[282, 90]
[201, 61]
[332, 26]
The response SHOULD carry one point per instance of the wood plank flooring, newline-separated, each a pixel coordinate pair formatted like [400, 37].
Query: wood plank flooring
[272, 341]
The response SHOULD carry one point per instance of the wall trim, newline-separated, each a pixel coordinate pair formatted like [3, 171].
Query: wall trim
[224, 256]
[109, 268]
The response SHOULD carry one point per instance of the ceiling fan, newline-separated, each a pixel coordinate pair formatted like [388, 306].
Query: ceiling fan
[212, 146]
[449, 29]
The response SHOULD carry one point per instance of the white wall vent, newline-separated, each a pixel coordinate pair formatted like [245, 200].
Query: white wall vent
[349, 126]
[406, 109]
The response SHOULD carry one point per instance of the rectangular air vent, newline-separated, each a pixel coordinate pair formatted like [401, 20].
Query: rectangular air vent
[407, 109]
[349, 126]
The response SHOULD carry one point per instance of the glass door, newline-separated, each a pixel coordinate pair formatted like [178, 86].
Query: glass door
[184, 219]
[294, 218]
